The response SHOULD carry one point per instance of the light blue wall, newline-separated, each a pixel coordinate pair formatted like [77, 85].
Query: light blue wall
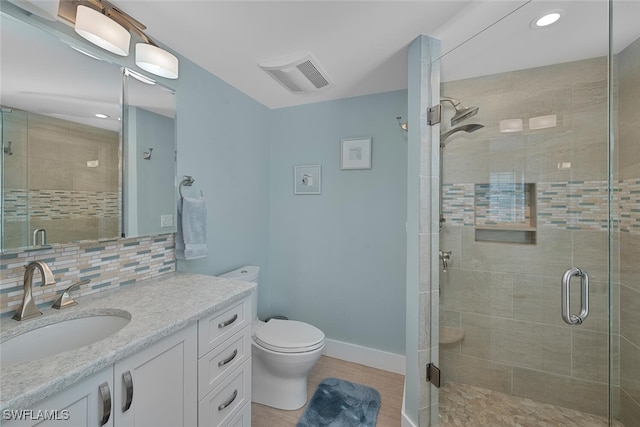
[223, 143]
[338, 259]
[147, 198]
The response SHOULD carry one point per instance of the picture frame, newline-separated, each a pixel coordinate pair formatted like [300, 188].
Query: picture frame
[356, 153]
[307, 179]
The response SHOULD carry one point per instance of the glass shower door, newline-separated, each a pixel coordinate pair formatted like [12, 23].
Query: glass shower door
[529, 331]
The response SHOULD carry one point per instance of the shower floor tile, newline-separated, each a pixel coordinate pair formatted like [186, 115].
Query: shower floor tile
[466, 405]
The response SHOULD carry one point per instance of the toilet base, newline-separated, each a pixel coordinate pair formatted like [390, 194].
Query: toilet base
[279, 380]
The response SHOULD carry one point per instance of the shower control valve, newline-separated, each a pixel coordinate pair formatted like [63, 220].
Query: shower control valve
[445, 256]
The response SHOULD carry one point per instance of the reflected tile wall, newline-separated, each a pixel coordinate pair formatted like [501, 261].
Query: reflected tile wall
[49, 173]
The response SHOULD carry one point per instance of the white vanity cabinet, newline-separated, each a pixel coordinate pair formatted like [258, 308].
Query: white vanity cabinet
[84, 404]
[198, 376]
[224, 368]
[157, 386]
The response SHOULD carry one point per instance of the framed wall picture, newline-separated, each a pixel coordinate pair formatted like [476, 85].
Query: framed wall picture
[356, 153]
[307, 179]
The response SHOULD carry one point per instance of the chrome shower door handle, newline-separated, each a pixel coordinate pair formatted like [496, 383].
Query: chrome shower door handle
[575, 319]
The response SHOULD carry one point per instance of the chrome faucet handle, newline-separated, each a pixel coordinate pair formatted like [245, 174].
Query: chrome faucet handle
[445, 256]
[64, 300]
[28, 308]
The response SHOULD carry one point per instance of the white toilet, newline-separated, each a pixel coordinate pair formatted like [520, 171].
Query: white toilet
[283, 353]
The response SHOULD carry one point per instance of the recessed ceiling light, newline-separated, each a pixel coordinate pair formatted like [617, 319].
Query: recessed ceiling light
[101, 116]
[548, 18]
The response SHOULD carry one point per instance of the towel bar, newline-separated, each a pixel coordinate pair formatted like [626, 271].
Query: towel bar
[186, 181]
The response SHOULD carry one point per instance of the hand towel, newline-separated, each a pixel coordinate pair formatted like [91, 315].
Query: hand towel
[191, 236]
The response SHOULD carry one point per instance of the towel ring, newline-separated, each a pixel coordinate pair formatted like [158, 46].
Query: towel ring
[187, 181]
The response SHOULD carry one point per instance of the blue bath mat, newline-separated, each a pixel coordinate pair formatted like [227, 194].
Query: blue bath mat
[340, 403]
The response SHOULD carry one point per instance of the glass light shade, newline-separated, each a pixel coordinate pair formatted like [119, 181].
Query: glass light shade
[102, 31]
[157, 61]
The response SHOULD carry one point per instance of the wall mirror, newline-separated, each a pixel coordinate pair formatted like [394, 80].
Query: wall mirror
[149, 136]
[64, 170]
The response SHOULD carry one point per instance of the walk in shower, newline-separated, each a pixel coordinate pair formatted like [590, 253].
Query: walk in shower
[548, 189]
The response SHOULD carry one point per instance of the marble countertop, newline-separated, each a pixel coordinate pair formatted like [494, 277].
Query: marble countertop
[158, 307]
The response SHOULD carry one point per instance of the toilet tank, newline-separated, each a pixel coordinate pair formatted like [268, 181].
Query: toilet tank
[248, 273]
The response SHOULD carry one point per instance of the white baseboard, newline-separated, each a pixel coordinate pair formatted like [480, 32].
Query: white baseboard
[405, 421]
[365, 356]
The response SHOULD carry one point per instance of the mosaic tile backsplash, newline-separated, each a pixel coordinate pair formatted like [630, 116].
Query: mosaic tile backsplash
[107, 264]
[573, 205]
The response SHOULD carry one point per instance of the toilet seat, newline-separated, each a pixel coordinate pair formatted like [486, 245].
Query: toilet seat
[289, 336]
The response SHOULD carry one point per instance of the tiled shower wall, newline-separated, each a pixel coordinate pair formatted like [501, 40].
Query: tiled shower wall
[108, 265]
[506, 296]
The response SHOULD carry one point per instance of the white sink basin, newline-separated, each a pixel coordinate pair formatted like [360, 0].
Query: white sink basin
[54, 338]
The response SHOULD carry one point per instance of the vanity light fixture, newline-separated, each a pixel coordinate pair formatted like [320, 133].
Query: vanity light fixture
[106, 26]
[102, 31]
[156, 61]
[548, 18]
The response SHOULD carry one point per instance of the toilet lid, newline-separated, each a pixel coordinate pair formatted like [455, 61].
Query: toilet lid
[289, 336]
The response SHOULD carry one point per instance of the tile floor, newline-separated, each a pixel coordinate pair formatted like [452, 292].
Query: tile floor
[466, 405]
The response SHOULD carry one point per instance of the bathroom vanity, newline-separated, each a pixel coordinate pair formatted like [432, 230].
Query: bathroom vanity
[183, 359]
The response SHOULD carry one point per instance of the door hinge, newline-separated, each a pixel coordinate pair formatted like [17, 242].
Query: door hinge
[433, 374]
[433, 115]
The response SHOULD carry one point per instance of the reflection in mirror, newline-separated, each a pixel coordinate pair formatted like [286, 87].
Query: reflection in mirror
[60, 169]
[149, 136]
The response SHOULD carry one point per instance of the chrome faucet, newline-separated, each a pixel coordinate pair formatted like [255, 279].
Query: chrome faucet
[28, 308]
[64, 300]
[42, 232]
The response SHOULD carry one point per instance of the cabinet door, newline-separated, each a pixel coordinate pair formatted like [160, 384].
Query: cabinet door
[88, 403]
[158, 386]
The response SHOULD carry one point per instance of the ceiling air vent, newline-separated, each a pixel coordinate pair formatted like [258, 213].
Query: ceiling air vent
[299, 74]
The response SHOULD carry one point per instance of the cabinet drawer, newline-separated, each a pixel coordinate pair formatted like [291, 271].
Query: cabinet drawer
[217, 328]
[222, 360]
[222, 404]
[243, 419]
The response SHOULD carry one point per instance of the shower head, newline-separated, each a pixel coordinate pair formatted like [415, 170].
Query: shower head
[462, 112]
[466, 128]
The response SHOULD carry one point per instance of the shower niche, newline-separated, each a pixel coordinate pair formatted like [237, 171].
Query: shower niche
[505, 211]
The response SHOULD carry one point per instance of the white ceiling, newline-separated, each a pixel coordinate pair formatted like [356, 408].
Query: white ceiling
[362, 45]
